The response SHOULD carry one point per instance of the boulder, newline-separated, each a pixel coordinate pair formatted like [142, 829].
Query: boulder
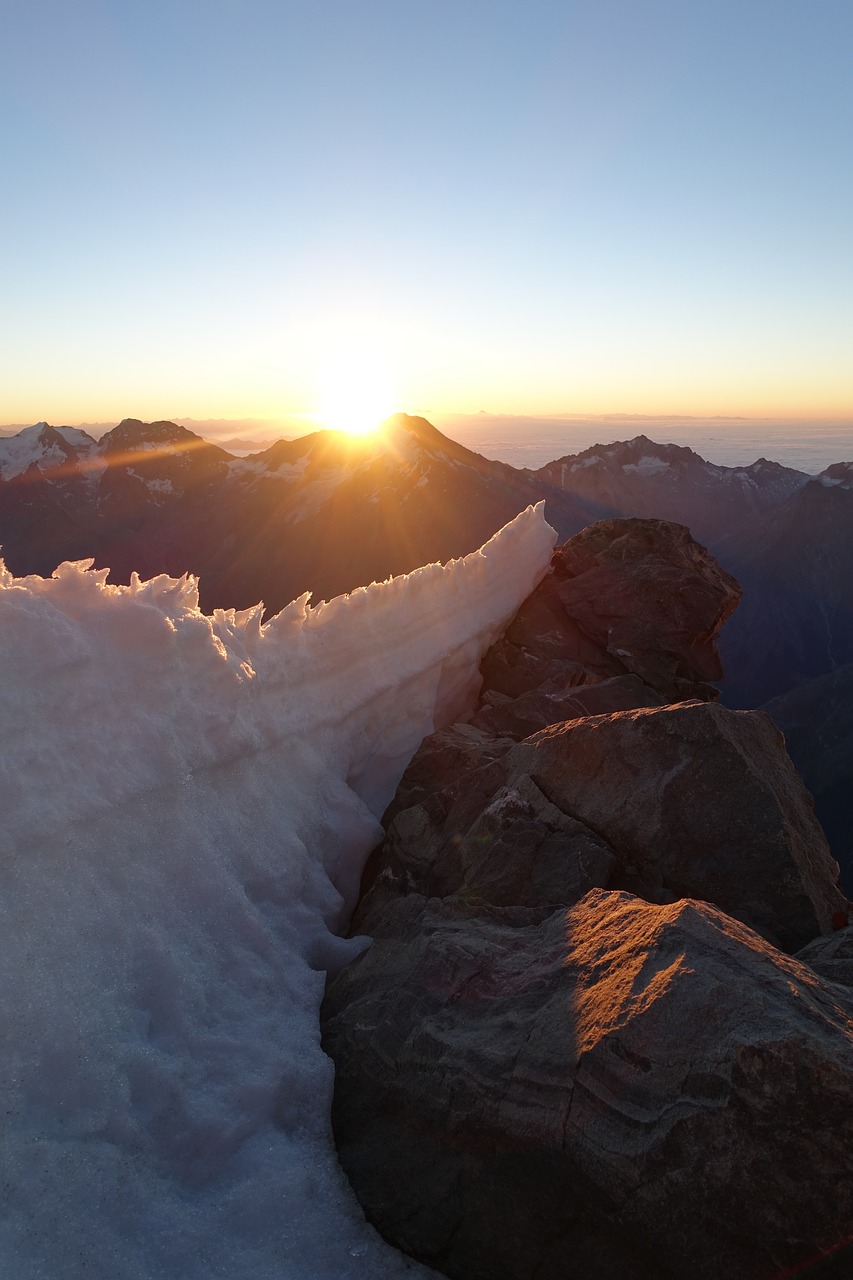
[624, 1089]
[697, 801]
[629, 596]
[691, 800]
[498, 845]
[652, 597]
[554, 700]
[444, 763]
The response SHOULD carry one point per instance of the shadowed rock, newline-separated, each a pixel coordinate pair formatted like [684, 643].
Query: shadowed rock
[698, 801]
[633, 597]
[832, 957]
[554, 701]
[625, 1089]
[501, 844]
[692, 800]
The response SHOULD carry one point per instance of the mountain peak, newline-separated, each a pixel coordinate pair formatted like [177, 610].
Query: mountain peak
[839, 474]
[43, 446]
[132, 434]
[637, 455]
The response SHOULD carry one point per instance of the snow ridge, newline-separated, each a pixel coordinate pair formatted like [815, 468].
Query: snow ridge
[188, 801]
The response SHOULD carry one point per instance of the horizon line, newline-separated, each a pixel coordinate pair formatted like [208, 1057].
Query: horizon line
[291, 419]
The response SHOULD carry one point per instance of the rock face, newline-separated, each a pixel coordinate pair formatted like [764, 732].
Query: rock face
[626, 598]
[491, 836]
[622, 1089]
[630, 800]
[554, 1058]
[641, 785]
[650, 783]
[831, 958]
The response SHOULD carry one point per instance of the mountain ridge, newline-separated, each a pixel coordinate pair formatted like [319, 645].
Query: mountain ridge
[327, 512]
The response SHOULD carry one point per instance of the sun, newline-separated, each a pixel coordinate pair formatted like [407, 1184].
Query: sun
[356, 396]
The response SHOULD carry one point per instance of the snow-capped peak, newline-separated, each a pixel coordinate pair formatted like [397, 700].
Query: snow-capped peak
[838, 475]
[45, 447]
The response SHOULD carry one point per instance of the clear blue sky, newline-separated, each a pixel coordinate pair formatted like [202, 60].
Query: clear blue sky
[219, 207]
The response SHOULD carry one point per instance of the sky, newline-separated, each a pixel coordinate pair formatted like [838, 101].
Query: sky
[258, 208]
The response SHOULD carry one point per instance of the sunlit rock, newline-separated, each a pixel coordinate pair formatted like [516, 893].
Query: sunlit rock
[622, 1089]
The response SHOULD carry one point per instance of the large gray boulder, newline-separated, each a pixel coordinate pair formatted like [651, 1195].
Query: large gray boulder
[624, 1089]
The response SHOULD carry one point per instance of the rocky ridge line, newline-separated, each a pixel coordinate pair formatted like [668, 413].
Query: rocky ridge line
[575, 1045]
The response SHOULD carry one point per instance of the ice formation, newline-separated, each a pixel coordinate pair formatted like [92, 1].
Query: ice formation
[187, 802]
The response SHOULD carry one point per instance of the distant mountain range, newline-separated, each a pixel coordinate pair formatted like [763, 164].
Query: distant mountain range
[325, 513]
[328, 513]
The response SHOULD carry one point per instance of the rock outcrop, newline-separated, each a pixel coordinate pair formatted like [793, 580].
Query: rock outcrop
[622, 1089]
[573, 1047]
[626, 598]
[831, 957]
[630, 800]
[699, 801]
[640, 785]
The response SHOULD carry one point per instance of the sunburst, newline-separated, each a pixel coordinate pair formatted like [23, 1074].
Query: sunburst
[356, 396]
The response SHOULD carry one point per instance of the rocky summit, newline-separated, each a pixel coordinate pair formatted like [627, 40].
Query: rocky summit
[625, 598]
[579, 1043]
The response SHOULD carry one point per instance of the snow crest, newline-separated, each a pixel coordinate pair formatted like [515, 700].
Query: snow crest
[188, 801]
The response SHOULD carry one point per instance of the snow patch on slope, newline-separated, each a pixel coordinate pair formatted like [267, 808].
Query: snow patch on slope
[188, 801]
[648, 465]
[153, 485]
[244, 468]
[317, 492]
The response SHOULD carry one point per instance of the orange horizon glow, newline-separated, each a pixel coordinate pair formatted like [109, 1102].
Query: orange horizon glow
[359, 405]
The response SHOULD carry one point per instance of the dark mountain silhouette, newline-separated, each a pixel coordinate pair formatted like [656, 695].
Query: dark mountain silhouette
[325, 513]
[670, 482]
[797, 573]
[817, 721]
[328, 512]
